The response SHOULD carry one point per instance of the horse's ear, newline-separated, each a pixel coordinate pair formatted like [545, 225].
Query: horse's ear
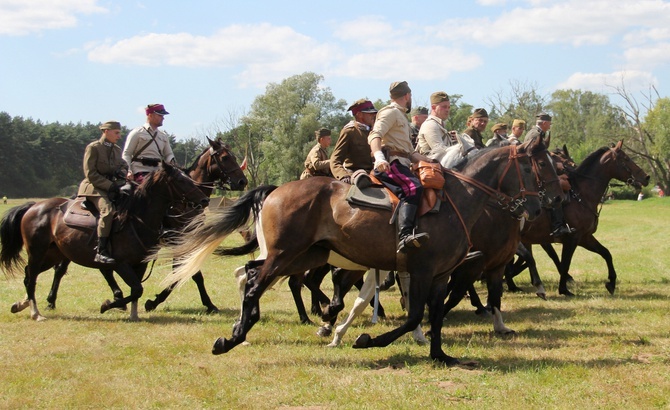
[210, 141]
[618, 145]
[565, 150]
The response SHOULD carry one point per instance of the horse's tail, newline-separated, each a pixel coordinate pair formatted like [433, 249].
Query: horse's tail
[203, 235]
[250, 246]
[11, 239]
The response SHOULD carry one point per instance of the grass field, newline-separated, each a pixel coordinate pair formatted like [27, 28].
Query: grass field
[590, 351]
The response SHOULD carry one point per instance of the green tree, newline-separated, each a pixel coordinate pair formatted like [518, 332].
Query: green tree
[286, 117]
[657, 130]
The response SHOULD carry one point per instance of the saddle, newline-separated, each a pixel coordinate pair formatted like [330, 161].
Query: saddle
[380, 197]
[80, 213]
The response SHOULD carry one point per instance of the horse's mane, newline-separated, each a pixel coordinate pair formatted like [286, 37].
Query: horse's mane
[194, 165]
[591, 160]
[140, 197]
[472, 157]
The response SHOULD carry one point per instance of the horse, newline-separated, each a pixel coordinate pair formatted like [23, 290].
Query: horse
[215, 166]
[309, 223]
[496, 234]
[589, 182]
[40, 228]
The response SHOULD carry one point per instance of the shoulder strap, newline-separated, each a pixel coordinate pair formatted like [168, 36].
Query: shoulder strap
[153, 139]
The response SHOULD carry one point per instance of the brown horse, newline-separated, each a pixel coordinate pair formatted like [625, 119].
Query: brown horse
[305, 224]
[48, 240]
[215, 167]
[589, 183]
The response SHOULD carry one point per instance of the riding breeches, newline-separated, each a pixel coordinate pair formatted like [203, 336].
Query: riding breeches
[106, 209]
[402, 182]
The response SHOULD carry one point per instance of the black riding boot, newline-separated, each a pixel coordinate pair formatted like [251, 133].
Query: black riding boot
[103, 255]
[407, 238]
[558, 225]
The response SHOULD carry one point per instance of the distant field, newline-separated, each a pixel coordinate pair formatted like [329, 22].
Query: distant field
[591, 351]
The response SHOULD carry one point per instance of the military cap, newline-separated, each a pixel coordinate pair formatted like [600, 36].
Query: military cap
[156, 108]
[543, 116]
[498, 127]
[519, 123]
[323, 132]
[399, 89]
[110, 125]
[362, 105]
[438, 97]
[419, 111]
[480, 113]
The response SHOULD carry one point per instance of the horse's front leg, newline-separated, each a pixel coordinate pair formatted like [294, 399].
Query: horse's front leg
[494, 282]
[592, 244]
[365, 295]
[132, 276]
[436, 315]
[420, 285]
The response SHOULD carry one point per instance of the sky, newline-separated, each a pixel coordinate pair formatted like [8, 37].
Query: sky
[207, 60]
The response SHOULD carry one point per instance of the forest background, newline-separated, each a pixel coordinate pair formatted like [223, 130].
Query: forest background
[276, 133]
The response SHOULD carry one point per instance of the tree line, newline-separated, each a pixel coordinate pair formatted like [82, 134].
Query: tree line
[275, 135]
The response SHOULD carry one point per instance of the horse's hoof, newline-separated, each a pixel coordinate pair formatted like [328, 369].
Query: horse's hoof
[514, 289]
[105, 306]
[542, 296]
[15, 308]
[39, 318]
[445, 360]
[221, 345]
[324, 331]
[610, 287]
[482, 312]
[211, 310]
[306, 321]
[566, 293]
[51, 306]
[149, 305]
[363, 341]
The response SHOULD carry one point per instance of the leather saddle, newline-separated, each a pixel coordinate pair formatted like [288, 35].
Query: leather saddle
[80, 213]
[378, 196]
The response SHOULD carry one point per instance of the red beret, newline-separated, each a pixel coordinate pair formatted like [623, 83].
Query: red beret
[156, 108]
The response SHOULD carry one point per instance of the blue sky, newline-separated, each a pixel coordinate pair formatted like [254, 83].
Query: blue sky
[88, 60]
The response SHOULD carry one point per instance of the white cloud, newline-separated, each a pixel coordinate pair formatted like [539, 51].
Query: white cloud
[603, 82]
[575, 22]
[22, 17]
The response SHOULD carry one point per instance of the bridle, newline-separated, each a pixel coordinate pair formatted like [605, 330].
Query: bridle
[214, 157]
[514, 204]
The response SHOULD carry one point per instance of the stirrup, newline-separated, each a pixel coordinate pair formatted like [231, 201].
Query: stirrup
[107, 260]
[561, 230]
[473, 255]
[412, 241]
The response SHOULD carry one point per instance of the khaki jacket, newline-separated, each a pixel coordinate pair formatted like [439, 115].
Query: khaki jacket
[393, 128]
[317, 163]
[352, 151]
[102, 160]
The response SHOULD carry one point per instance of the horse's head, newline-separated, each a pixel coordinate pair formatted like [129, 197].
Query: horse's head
[174, 186]
[545, 180]
[222, 165]
[624, 169]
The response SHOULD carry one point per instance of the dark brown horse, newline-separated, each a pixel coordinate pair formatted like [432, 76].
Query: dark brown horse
[48, 240]
[215, 167]
[305, 224]
[589, 182]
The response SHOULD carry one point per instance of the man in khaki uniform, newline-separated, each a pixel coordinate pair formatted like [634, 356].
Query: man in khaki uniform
[480, 118]
[499, 136]
[317, 162]
[433, 139]
[105, 171]
[518, 127]
[352, 151]
[418, 116]
[392, 132]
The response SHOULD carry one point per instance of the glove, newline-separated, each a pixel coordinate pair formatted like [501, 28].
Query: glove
[346, 180]
[113, 192]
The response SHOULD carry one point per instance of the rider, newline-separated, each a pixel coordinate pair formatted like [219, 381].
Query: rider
[352, 151]
[147, 145]
[558, 225]
[433, 139]
[317, 162]
[104, 171]
[391, 132]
